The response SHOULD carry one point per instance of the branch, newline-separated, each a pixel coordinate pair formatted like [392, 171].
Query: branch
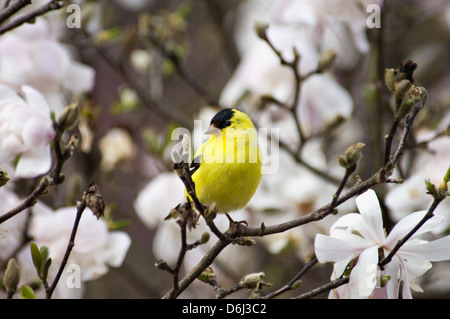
[327, 287]
[206, 261]
[9, 10]
[401, 242]
[50, 6]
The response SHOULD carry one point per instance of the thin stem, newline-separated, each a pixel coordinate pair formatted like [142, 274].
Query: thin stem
[291, 283]
[327, 287]
[80, 209]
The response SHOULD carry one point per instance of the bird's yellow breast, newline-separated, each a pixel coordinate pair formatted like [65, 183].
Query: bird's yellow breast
[230, 169]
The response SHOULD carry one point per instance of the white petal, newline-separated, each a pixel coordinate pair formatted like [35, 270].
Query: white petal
[155, 201]
[392, 269]
[79, 78]
[369, 207]
[363, 277]
[404, 226]
[117, 247]
[32, 164]
[329, 249]
[437, 250]
[36, 101]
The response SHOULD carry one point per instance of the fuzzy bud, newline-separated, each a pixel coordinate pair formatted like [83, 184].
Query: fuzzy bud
[261, 29]
[162, 265]
[207, 276]
[254, 281]
[69, 117]
[326, 60]
[404, 109]
[3, 178]
[12, 276]
[205, 238]
[211, 212]
[389, 79]
[351, 156]
[402, 88]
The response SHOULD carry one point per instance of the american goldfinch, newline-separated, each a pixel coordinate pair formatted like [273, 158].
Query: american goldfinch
[226, 169]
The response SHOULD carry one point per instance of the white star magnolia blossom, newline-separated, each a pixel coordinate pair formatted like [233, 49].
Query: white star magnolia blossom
[362, 236]
[26, 129]
[31, 55]
[96, 248]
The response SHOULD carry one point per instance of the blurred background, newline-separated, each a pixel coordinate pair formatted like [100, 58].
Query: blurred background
[160, 64]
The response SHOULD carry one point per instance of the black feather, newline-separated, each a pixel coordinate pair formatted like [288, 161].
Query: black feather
[223, 118]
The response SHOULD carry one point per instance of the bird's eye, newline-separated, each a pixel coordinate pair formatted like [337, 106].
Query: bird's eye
[228, 123]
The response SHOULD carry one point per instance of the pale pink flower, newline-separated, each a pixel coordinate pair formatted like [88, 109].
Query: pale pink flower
[26, 129]
[96, 248]
[31, 55]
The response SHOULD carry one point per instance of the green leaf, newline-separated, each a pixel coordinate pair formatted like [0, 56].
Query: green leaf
[118, 224]
[27, 293]
[36, 256]
[44, 273]
[44, 254]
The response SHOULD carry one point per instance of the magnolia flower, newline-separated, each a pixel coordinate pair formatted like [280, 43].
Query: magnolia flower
[116, 146]
[31, 55]
[26, 130]
[96, 248]
[361, 237]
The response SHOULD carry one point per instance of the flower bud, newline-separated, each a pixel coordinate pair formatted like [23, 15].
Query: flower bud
[384, 280]
[162, 265]
[3, 178]
[254, 281]
[205, 238]
[296, 284]
[245, 241]
[389, 79]
[69, 117]
[326, 60]
[351, 156]
[211, 212]
[207, 276]
[402, 88]
[404, 109]
[12, 276]
[261, 29]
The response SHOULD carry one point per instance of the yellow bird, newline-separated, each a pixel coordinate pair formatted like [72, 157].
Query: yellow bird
[227, 168]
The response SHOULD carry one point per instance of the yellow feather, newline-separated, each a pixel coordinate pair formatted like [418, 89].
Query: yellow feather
[230, 168]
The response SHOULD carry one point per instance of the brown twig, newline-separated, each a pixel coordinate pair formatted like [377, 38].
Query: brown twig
[10, 10]
[50, 6]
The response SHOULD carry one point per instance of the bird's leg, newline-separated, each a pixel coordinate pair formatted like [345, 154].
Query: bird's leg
[235, 225]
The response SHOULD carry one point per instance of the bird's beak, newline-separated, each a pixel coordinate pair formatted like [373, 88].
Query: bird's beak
[212, 130]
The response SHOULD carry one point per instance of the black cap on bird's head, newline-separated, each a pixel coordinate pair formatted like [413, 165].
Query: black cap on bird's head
[222, 119]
